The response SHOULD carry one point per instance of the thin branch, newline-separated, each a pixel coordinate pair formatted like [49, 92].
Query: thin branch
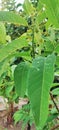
[55, 127]
[54, 102]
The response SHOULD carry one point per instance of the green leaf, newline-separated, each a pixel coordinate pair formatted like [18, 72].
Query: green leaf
[40, 79]
[12, 47]
[50, 10]
[55, 91]
[54, 85]
[20, 78]
[12, 17]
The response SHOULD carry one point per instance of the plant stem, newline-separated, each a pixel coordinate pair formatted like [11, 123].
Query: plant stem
[10, 113]
[33, 46]
[54, 102]
[28, 127]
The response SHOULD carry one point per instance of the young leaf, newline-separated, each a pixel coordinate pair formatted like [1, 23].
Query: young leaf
[40, 79]
[12, 17]
[20, 78]
[28, 7]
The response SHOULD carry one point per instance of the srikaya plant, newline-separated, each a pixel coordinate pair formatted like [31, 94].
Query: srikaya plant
[37, 75]
[48, 42]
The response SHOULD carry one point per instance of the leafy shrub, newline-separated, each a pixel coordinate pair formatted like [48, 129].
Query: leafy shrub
[39, 49]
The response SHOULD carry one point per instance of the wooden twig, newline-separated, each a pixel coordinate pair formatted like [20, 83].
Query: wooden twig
[55, 127]
[54, 102]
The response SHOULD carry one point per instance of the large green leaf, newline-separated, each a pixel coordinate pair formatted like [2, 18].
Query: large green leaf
[40, 79]
[51, 11]
[20, 78]
[12, 17]
[12, 47]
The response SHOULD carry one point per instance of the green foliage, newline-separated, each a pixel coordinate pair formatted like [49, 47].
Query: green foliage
[36, 50]
[57, 48]
[3, 66]
[20, 77]
[56, 92]
[38, 79]
[9, 49]
[24, 115]
[50, 11]
[2, 34]
[28, 7]
[12, 17]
